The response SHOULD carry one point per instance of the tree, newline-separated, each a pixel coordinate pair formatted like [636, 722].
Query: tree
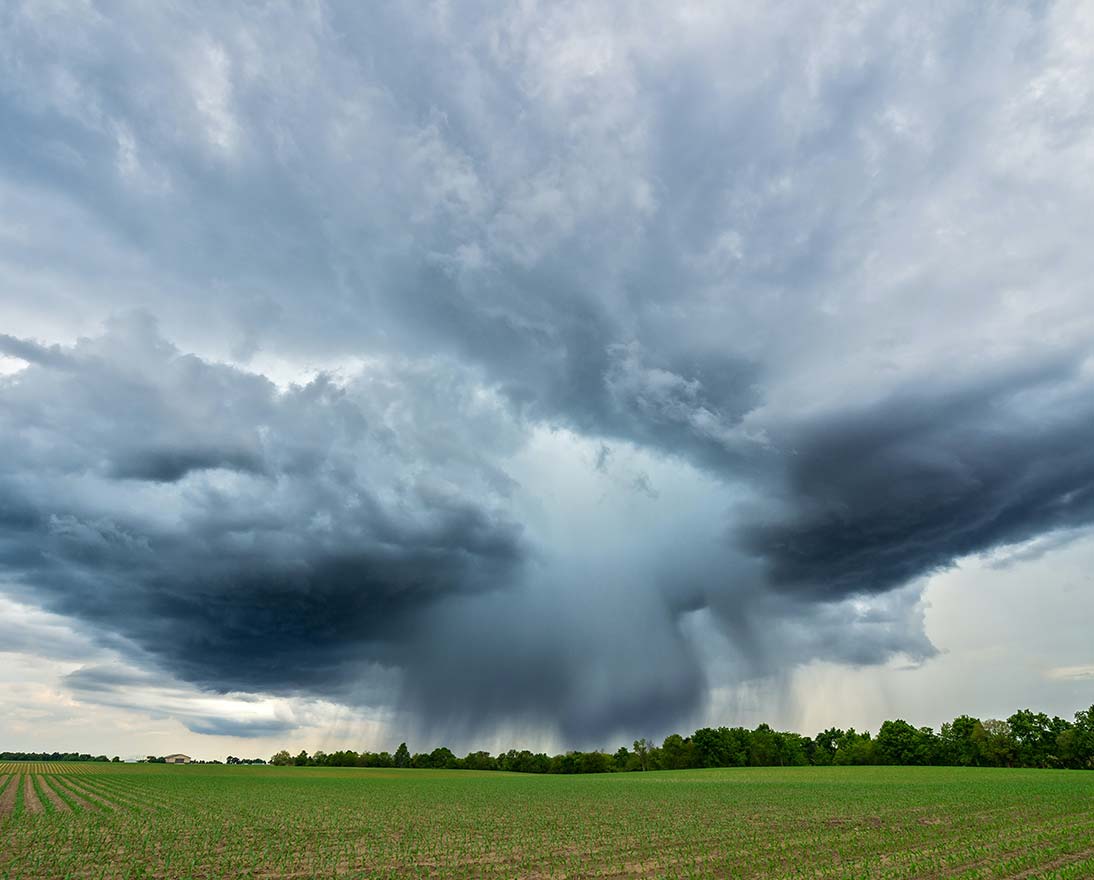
[301, 760]
[1081, 746]
[763, 748]
[402, 756]
[855, 749]
[956, 744]
[281, 759]
[899, 743]
[593, 762]
[677, 753]
[994, 743]
[442, 759]
[480, 761]
[1035, 737]
[824, 746]
[642, 752]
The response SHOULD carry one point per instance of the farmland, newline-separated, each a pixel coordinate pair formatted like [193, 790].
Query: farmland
[141, 821]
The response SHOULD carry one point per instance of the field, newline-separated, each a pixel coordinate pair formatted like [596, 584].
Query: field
[143, 821]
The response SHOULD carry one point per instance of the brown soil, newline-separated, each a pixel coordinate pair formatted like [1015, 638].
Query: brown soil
[30, 797]
[87, 794]
[71, 794]
[53, 797]
[7, 799]
[1062, 862]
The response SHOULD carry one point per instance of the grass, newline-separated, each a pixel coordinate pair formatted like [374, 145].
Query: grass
[265, 822]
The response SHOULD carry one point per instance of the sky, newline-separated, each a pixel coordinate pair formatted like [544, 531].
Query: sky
[541, 374]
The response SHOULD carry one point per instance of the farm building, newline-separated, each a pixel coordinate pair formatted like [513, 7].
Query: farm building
[176, 759]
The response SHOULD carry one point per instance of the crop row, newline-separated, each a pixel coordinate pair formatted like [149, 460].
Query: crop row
[820, 823]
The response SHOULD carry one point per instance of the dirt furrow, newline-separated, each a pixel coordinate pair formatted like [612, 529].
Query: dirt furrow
[71, 794]
[30, 797]
[54, 798]
[84, 792]
[1056, 864]
[7, 799]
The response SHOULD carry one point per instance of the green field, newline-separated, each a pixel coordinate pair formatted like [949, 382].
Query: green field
[113, 821]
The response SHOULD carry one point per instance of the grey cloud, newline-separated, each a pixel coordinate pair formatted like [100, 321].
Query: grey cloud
[240, 728]
[882, 494]
[157, 693]
[169, 465]
[286, 574]
[798, 251]
[27, 350]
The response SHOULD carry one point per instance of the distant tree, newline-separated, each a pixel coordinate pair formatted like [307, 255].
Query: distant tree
[480, 761]
[956, 745]
[763, 748]
[115, 760]
[855, 749]
[442, 759]
[1081, 741]
[790, 748]
[824, 746]
[402, 756]
[281, 759]
[642, 752]
[994, 743]
[677, 753]
[899, 743]
[301, 760]
[595, 762]
[621, 758]
[1036, 737]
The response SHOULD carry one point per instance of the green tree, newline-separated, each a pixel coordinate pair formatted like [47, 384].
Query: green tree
[956, 745]
[442, 759]
[899, 743]
[1082, 740]
[763, 748]
[824, 746]
[994, 743]
[677, 753]
[594, 762]
[281, 759]
[854, 748]
[1035, 738]
[402, 756]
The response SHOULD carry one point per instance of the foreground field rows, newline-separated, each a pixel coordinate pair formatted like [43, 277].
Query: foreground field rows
[129, 821]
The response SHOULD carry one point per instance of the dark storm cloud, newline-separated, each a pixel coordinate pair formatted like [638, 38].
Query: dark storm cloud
[713, 240]
[876, 496]
[169, 465]
[285, 567]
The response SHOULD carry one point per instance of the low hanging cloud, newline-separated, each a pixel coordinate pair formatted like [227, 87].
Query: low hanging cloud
[877, 496]
[248, 537]
[500, 365]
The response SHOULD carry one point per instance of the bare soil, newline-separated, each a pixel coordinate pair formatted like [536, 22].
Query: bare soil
[7, 799]
[84, 793]
[53, 797]
[30, 797]
[71, 794]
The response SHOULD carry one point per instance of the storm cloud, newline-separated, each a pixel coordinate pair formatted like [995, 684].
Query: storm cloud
[503, 366]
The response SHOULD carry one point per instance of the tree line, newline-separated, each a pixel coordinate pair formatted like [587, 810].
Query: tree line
[1025, 739]
[55, 756]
